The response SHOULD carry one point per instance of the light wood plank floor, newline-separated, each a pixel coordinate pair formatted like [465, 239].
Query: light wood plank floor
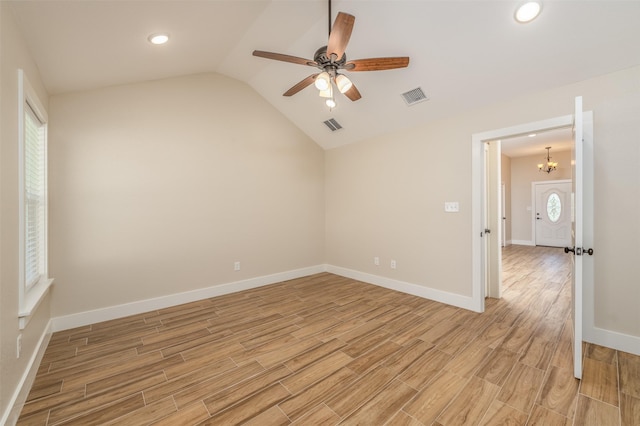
[327, 350]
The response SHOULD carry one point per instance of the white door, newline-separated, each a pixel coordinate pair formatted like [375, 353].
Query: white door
[504, 215]
[577, 236]
[493, 220]
[553, 213]
[485, 221]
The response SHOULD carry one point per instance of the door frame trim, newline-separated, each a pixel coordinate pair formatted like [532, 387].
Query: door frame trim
[477, 198]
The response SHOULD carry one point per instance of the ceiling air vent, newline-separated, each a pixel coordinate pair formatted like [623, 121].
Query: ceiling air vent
[333, 124]
[414, 96]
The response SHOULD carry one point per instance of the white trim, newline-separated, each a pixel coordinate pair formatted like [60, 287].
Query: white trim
[522, 243]
[477, 173]
[32, 300]
[611, 339]
[10, 417]
[119, 311]
[453, 299]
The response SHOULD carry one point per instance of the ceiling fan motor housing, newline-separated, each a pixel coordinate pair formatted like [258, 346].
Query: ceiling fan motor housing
[325, 63]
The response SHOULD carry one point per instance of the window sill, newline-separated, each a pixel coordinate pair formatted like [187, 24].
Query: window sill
[32, 301]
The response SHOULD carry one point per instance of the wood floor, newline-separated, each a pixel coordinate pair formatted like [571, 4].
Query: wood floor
[327, 350]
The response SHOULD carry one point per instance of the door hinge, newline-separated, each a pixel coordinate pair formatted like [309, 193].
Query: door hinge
[487, 231]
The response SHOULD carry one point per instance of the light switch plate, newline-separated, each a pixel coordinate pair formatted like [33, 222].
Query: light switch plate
[451, 206]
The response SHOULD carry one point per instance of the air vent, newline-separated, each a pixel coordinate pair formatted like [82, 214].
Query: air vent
[414, 96]
[333, 124]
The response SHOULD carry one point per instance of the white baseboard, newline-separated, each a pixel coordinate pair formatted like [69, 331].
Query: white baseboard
[595, 335]
[612, 339]
[522, 243]
[112, 312]
[119, 311]
[453, 299]
[10, 417]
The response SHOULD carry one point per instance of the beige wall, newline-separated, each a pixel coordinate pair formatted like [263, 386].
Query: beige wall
[505, 174]
[14, 55]
[385, 198]
[385, 195]
[524, 171]
[158, 188]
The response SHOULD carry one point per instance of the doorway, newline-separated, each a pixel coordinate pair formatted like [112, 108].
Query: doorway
[480, 221]
[581, 213]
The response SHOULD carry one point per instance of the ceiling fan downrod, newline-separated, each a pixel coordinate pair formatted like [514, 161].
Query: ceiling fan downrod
[329, 35]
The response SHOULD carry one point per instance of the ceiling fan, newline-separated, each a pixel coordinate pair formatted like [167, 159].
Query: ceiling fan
[331, 59]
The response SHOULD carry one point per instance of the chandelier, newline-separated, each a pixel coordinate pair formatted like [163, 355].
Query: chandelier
[550, 165]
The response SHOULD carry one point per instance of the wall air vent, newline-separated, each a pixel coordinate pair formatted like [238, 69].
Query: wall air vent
[414, 96]
[333, 124]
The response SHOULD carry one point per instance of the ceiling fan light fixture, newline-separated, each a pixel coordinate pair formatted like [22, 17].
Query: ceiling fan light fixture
[331, 103]
[528, 11]
[326, 93]
[323, 81]
[343, 83]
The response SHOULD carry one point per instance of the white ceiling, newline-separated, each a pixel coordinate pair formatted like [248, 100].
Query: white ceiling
[464, 54]
[522, 146]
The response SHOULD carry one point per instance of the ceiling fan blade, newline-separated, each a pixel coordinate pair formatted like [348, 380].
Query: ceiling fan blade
[301, 85]
[284, 58]
[353, 93]
[377, 64]
[340, 34]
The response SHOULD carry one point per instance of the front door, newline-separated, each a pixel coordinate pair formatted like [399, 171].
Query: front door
[553, 213]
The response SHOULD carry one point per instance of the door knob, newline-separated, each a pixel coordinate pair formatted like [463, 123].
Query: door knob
[578, 251]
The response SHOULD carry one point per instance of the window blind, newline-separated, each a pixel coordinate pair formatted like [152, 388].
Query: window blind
[35, 197]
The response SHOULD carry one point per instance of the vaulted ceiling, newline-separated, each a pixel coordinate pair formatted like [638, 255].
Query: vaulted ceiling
[464, 54]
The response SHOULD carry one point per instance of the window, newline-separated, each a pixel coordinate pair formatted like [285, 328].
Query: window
[32, 125]
[34, 197]
[554, 207]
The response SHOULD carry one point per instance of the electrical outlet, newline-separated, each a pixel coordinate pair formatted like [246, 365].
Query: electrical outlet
[393, 264]
[376, 261]
[19, 346]
[236, 266]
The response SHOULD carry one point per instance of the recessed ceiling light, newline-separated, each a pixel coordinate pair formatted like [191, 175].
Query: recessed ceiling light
[158, 38]
[532, 135]
[528, 11]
